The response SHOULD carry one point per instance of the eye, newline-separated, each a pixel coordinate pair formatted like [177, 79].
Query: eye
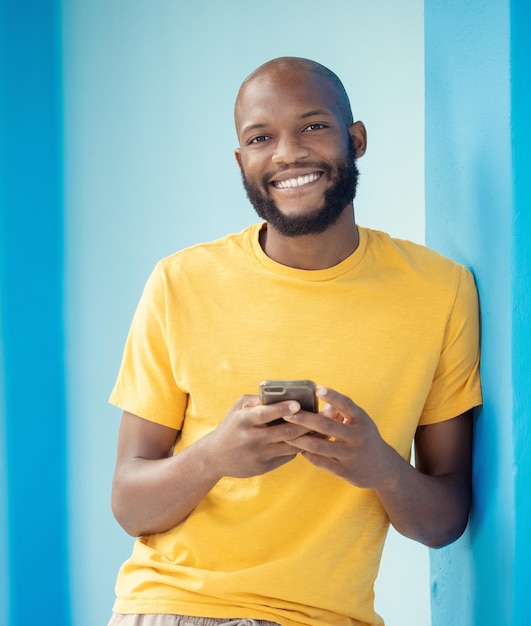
[316, 126]
[259, 139]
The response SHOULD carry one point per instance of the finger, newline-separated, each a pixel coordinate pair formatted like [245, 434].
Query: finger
[248, 401]
[348, 409]
[317, 447]
[332, 413]
[329, 464]
[266, 413]
[284, 432]
[316, 423]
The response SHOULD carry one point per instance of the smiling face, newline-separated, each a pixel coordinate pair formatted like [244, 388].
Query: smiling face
[305, 212]
[297, 147]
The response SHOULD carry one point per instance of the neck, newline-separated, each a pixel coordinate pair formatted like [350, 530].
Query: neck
[313, 252]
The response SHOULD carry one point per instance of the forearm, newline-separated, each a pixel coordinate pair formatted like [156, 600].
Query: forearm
[429, 503]
[154, 491]
[430, 509]
[151, 496]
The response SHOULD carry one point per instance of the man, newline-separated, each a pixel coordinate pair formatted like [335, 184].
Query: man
[246, 522]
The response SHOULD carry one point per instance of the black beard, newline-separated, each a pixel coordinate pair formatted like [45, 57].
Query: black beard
[343, 191]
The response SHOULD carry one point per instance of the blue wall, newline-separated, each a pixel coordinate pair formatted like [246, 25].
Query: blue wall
[31, 272]
[477, 150]
[149, 139]
[127, 180]
[116, 148]
[521, 272]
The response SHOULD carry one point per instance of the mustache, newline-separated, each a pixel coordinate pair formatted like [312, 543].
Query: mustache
[317, 165]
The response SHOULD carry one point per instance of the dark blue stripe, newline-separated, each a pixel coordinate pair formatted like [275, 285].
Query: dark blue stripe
[31, 280]
[521, 331]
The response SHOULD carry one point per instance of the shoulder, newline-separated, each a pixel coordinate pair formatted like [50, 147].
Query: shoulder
[415, 261]
[384, 244]
[208, 257]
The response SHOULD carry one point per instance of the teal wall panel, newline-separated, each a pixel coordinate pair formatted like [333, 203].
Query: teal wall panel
[478, 211]
[31, 278]
[149, 90]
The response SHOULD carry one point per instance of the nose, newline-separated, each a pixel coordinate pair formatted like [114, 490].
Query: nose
[289, 149]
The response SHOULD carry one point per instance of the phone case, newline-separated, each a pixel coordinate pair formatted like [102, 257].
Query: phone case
[303, 391]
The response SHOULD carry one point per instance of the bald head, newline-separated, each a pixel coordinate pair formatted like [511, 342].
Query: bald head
[294, 69]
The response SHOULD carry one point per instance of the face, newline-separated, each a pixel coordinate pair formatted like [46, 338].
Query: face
[312, 219]
[297, 152]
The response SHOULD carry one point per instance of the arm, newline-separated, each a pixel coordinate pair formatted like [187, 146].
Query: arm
[154, 490]
[429, 503]
[436, 496]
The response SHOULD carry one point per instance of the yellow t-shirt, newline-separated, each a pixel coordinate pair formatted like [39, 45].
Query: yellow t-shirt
[394, 326]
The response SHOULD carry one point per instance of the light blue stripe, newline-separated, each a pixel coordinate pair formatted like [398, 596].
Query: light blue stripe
[478, 135]
[31, 279]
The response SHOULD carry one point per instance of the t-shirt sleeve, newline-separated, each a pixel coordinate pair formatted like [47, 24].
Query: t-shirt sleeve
[146, 385]
[456, 384]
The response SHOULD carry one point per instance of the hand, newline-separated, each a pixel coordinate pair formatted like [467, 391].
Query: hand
[347, 444]
[244, 445]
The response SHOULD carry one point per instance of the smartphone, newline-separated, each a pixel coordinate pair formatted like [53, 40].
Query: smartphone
[303, 391]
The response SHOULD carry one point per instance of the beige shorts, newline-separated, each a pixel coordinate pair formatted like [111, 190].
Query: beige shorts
[161, 619]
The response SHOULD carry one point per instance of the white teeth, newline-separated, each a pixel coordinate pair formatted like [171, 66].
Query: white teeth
[296, 182]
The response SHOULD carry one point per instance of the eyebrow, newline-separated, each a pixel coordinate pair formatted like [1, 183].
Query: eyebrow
[303, 116]
[315, 112]
[252, 127]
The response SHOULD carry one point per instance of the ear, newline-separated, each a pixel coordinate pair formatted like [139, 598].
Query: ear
[358, 133]
[238, 157]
